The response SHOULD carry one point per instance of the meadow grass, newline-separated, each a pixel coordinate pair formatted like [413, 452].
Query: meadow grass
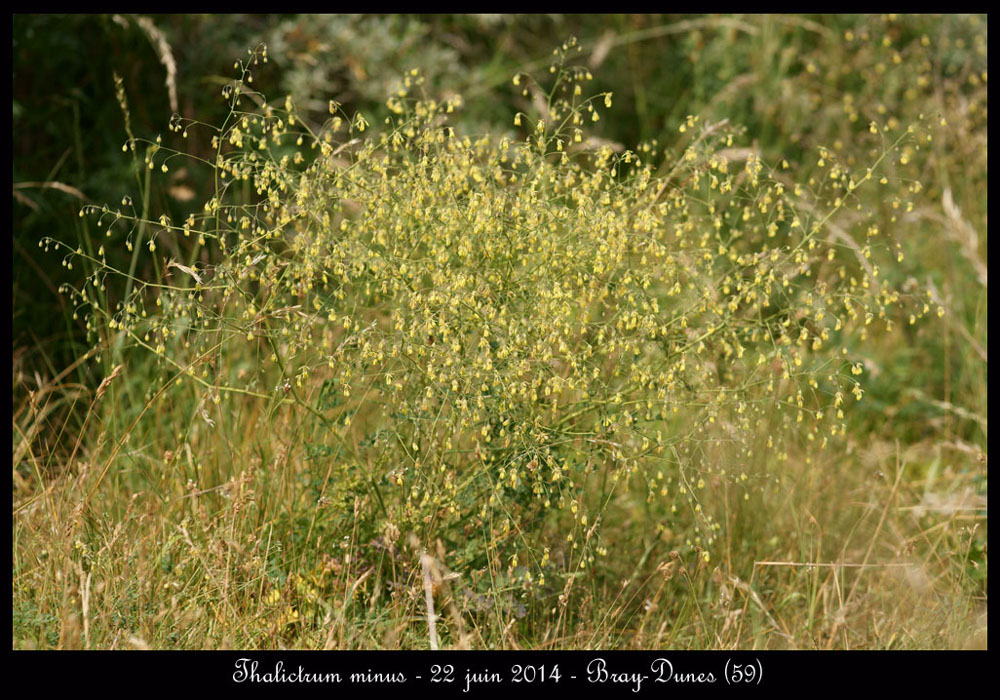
[399, 372]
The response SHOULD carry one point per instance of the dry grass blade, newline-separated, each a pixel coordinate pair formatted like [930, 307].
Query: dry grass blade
[185, 269]
[165, 54]
[49, 185]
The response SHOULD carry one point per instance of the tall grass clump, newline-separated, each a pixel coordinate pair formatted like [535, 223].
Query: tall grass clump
[489, 347]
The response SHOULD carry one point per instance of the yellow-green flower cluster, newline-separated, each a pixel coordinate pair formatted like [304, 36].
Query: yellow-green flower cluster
[498, 333]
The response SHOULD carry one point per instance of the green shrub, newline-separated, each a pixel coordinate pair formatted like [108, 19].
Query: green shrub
[496, 341]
